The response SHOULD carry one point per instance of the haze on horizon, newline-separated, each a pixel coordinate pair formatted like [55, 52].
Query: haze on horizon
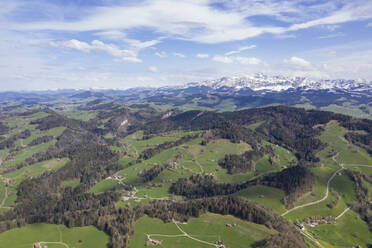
[122, 44]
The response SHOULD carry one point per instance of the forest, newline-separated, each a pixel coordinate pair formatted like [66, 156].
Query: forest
[95, 148]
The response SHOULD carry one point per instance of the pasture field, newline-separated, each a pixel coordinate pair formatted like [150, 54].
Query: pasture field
[347, 109]
[136, 144]
[344, 186]
[71, 183]
[340, 148]
[226, 105]
[348, 231]
[264, 195]
[284, 156]
[18, 124]
[34, 170]
[191, 158]
[263, 166]
[254, 125]
[105, 185]
[78, 114]
[130, 175]
[320, 209]
[78, 237]
[26, 153]
[204, 159]
[208, 227]
[338, 151]
[322, 175]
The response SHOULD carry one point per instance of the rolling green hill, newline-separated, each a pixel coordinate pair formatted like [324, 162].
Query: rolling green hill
[130, 176]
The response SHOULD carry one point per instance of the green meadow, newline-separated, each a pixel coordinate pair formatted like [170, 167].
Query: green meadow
[59, 236]
[34, 170]
[208, 227]
[348, 231]
[264, 195]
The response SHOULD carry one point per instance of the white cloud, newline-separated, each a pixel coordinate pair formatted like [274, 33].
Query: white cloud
[241, 49]
[73, 44]
[247, 60]
[26, 61]
[369, 24]
[123, 54]
[332, 27]
[202, 56]
[332, 35]
[297, 62]
[223, 59]
[183, 19]
[352, 11]
[286, 36]
[237, 59]
[153, 69]
[161, 54]
[180, 55]
[201, 22]
[139, 45]
[111, 34]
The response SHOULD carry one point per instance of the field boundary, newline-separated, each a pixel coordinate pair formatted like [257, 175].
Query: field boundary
[184, 234]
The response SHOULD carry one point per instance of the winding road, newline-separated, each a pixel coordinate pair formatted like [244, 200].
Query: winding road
[60, 242]
[184, 234]
[198, 240]
[56, 243]
[318, 201]
[5, 197]
[307, 235]
[344, 212]
[304, 232]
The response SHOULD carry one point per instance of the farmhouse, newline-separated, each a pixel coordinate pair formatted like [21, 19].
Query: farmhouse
[155, 242]
[221, 245]
[38, 245]
[316, 222]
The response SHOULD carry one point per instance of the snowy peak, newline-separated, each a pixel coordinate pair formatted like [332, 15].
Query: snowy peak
[259, 82]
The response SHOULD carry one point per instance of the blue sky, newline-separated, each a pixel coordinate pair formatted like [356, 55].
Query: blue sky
[121, 44]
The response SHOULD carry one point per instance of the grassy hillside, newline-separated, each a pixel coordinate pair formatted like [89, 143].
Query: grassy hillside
[208, 228]
[54, 236]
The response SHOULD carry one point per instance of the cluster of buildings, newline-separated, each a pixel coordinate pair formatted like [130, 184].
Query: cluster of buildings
[154, 241]
[116, 177]
[5, 180]
[38, 245]
[230, 225]
[315, 221]
[221, 245]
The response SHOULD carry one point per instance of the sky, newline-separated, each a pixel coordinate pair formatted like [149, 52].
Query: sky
[59, 44]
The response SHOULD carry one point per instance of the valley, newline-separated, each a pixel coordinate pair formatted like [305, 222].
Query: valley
[145, 176]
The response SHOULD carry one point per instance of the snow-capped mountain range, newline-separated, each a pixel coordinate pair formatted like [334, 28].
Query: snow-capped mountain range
[258, 82]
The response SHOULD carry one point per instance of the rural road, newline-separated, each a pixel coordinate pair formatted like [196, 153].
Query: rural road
[184, 234]
[5, 197]
[56, 243]
[318, 201]
[198, 240]
[307, 235]
[359, 165]
[344, 212]
[165, 235]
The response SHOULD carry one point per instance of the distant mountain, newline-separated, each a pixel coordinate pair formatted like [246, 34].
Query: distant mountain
[352, 97]
[259, 82]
